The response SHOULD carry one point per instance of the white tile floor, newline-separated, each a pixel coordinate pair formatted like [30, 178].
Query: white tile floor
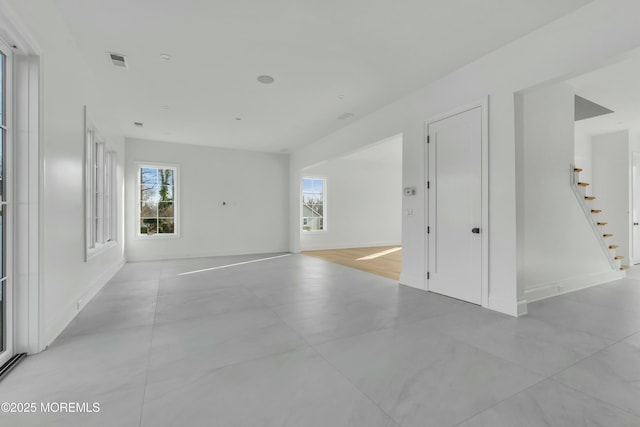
[297, 341]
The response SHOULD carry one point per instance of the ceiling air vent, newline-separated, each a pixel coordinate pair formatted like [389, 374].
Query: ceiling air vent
[345, 116]
[118, 60]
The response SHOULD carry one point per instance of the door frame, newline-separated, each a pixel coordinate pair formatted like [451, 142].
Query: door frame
[483, 104]
[634, 253]
[27, 164]
[8, 297]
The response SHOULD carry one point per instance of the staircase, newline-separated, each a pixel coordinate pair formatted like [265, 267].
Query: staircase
[593, 217]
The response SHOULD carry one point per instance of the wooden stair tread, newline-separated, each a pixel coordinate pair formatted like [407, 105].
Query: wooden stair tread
[602, 224]
[613, 246]
[596, 210]
[624, 267]
[618, 257]
[607, 235]
[589, 197]
[577, 170]
[583, 184]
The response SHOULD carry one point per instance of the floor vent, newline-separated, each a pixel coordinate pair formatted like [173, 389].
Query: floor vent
[11, 363]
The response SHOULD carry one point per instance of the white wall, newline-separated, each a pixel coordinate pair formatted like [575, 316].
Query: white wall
[364, 205]
[578, 42]
[611, 187]
[65, 276]
[254, 186]
[558, 247]
[583, 155]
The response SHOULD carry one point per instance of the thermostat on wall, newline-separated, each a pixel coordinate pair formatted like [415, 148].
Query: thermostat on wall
[409, 191]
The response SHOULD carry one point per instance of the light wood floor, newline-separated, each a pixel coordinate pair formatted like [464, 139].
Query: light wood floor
[381, 260]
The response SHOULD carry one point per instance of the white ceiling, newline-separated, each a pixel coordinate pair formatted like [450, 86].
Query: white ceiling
[616, 87]
[370, 51]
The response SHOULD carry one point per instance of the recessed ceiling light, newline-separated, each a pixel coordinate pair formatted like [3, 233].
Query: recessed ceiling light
[138, 124]
[165, 56]
[266, 79]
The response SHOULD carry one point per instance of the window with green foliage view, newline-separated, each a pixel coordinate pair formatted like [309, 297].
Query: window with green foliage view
[158, 198]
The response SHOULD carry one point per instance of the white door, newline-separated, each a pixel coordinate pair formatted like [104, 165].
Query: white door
[635, 183]
[6, 306]
[454, 249]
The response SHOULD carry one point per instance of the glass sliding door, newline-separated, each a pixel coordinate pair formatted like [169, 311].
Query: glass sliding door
[6, 324]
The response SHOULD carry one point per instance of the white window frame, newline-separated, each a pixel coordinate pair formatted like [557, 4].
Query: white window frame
[176, 200]
[101, 219]
[7, 347]
[324, 205]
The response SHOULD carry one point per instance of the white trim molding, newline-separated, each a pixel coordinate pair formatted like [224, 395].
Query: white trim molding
[28, 180]
[15, 33]
[76, 305]
[483, 104]
[560, 287]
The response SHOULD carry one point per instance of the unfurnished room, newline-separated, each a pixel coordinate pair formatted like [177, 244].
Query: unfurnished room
[302, 213]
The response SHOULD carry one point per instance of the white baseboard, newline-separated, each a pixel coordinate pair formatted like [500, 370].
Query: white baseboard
[547, 290]
[505, 306]
[412, 281]
[322, 247]
[72, 309]
[522, 307]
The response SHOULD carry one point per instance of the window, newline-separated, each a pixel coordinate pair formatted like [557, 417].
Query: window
[5, 301]
[313, 204]
[100, 189]
[158, 199]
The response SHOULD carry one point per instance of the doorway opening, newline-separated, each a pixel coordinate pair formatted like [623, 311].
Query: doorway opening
[351, 210]
[578, 180]
[605, 144]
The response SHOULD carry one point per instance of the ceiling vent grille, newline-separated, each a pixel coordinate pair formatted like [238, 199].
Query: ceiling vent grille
[118, 60]
[345, 116]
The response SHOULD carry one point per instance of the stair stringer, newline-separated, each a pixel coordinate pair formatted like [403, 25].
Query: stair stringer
[580, 195]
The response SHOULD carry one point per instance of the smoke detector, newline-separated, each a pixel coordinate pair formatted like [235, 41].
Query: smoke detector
[264, 79]
[118, 60]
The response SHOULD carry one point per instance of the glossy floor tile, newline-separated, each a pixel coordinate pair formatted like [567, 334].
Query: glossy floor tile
[544, 348]
[607, 322]
[296, 388]
[612, 375]
[289, 340]
[551, 404]
[181, 350]
[425, 378]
